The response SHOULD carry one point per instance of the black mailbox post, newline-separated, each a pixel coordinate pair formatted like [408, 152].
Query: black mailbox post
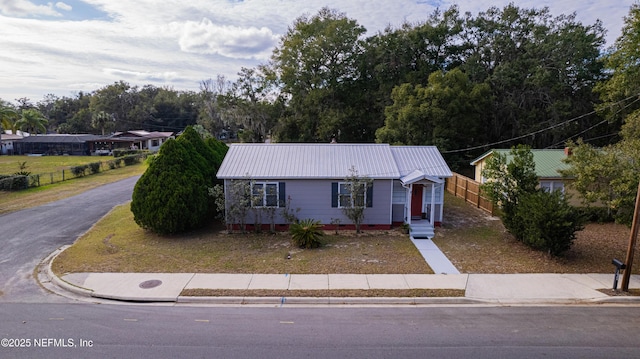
[619, 265]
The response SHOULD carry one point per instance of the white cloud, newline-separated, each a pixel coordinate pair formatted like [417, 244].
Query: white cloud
[142, 76]
[205, 37]
[179, 43]
[62, 6]
[24, 8]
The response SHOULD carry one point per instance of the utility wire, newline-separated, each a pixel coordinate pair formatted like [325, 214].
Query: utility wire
[544, 129]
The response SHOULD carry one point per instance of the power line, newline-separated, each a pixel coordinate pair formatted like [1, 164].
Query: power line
[545, 129]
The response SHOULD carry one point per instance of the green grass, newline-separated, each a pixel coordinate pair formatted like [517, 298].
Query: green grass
[36, 196]
[45, 164]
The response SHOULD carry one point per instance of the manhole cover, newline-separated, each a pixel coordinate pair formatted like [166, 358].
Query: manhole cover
[150, 284]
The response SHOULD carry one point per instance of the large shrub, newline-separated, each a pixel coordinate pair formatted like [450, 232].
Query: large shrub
[219, 148]
[206, 157]
[549, 223]
[171, 196]
[539, 219]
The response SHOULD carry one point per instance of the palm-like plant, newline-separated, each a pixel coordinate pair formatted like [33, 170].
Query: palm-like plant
[101, 120]
[7, 115]
[32, 121]
[307, 233]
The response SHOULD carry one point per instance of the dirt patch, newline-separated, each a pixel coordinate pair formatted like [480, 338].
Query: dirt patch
[412, 293]
[476, 242]
[619, 293]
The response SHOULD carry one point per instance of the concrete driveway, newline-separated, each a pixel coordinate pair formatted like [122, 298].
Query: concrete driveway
[28, 236]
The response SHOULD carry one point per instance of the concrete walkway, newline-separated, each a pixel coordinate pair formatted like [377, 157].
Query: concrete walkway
[438, 262]
[479, 288]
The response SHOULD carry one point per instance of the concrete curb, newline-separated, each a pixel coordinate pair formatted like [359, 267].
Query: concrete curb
[331, 300]
[55, 280]
[45, 271]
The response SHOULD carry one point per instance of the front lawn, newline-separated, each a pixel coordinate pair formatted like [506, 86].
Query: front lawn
[117, 244]
[472, 240]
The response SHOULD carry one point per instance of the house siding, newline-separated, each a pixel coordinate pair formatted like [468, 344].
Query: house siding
[313, 198]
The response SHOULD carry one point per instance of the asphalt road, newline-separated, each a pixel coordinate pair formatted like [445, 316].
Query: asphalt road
[118, 331]
[28, 236]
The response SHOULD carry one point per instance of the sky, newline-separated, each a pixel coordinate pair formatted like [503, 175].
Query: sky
[65, 47]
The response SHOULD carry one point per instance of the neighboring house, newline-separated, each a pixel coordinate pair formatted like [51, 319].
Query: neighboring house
[138, 139]
[548, 162]
[58, 144]
[6, 143]
[86, 144]
[407, 181]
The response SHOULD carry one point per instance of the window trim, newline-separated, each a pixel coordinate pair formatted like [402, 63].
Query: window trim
[340, 194]
[264, 201]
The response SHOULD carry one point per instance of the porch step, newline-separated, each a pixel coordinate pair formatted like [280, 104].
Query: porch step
[422, 231]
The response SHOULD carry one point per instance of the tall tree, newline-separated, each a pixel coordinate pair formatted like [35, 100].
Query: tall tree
[316, 59]
[117, 100]
[541, 70]
[32, 121]
[620, 92]
[255, 103]
[408, 54]
[214, 114]
[448, 112]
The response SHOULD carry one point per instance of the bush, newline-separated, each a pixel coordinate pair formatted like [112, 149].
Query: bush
[94, 167]
[548, 222]
[121, 152]
[131, 159]
[79, 171]
[306, 233]
[14, 182]
[596, 214]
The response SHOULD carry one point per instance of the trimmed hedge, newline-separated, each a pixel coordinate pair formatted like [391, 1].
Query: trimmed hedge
[14, 182]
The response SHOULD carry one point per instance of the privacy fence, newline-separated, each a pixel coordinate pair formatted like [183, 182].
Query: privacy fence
[468, 189]
[24, 180]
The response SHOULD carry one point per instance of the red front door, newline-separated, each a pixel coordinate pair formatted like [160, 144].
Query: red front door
[416, 201]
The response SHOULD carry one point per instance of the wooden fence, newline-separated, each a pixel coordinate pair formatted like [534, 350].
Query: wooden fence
[468, 189]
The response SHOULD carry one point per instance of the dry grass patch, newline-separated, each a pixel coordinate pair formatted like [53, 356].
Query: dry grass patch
[477, 243]
[345, 293]
[633, 292]
[117, 244]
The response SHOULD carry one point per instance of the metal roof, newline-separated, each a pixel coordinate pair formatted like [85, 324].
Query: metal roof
[548, 162]
[427, 159]
[59, 138]
[327, 161]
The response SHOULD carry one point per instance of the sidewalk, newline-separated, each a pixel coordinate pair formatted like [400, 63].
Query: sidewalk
[494, 289]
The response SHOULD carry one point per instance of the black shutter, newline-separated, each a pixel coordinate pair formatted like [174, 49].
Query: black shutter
[282, 196]
[334, 194]
[370, 195]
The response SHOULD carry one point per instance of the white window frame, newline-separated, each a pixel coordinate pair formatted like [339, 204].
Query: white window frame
[553, 186]
[343, 192]
[264, 201]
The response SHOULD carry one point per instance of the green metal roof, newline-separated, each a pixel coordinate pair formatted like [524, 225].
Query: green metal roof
[548, 162]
